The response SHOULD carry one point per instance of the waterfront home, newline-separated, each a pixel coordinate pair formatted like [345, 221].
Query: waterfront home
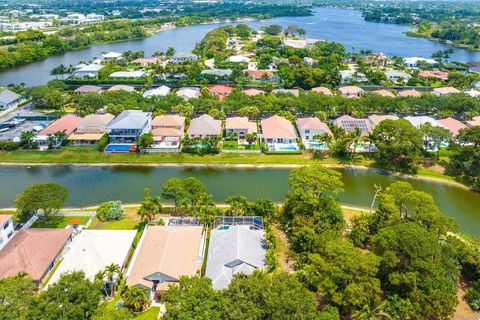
[322, 90]
[110, 56]
[294, 92]
[308, 128]
[241, 126]
[129, 125]
[87, 89]
[445, 91]
[163, 255]
[233, 250]
[261, 75]
[351, 91]
[397, 75]
[352, 75]
[204, 126]
[299, 43]
[9, 99]
[136, 74]
[440, 75]
[91, 129]
[376, 119]
[474, 122]
[168, 130]
[253, 92]
[415, 62]
[182, 57]
[88, 71]
[238, 59]
[409, 93]
[93, 250]
[122, 87]
[384, 93]
[220, 91]
[33, 251]
[350, 124]
[146, 61]
[220, 73]
[188, 93]
[417, 121]
[6, 229]
[279, 134]
[453, 125]
[161, 91]
[66, 124]
[474, 67]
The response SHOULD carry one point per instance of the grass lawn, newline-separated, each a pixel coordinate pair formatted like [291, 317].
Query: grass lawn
[129, 222]
[150, 314]
[58, 221]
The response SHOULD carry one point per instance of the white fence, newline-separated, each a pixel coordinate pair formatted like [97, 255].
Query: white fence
[241, 151]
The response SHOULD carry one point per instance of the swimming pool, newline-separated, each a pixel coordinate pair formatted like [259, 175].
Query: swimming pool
[286, 147]
[119, 148]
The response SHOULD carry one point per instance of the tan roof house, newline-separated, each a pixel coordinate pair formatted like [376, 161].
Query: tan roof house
[88, 88]
[253, 92]
[204, 126]
[474, 122]
[351, 91]
[384, 93]
[34, 251]
[410, 93]
[122, 87]
[445, 91]
[146, 61]
[453, 125]
[91, 129]
[188, 93]
[220, 91]
[278, 130]
[349, 123]
[66, 124]
[241, 126]
[308, 128]
[168, 130]
[376, 119]
[163, 255]
[322, 90]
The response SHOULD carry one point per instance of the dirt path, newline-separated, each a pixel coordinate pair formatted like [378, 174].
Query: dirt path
[284, 247]
[463, 310]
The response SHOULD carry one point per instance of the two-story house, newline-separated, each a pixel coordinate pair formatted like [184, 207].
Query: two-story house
[309, 128]
[129, 125]
[241, 126]
[168, 129]
[6, 229]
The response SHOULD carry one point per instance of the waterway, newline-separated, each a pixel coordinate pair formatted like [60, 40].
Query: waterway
[334, 24]
[89, 185]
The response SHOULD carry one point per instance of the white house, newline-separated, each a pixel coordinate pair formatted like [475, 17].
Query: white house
[397, 75]
[137, 74]
[109, 56]
[87, 71]
[445, 91]
[414, 62]
[308, 128]
[157, 92]
[6, 229]
[9, 99]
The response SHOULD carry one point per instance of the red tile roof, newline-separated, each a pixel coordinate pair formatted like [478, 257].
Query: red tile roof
[277, 127]
[453, 125]
[66, 124]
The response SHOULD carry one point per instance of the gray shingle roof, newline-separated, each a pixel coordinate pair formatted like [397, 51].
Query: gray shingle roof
[8, 96]
[130, 119]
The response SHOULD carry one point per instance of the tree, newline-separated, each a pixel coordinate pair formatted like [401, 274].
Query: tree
[149, 206]
[316, 179]
[239, 205]
[195, 189]
[173, 189]
[193, 298]
[251, 138]
[26, 139]
[110, 211]
[145, 141]
[273, 29]
[439, 135]
[112, 274]
[170, 52]
[464, 161]
[16, 297]
[135, 298]
[48, 197]
[263, 208]
[374, 309]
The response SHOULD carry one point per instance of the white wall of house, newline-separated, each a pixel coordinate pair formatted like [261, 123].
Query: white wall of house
[6, 232]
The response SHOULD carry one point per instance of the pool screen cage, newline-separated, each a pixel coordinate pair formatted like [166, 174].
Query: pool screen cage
[254, 222]
[185, 221]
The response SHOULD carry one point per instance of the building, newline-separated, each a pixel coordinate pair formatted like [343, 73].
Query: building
[122, 87]
[146, 61]
[182, 57]
[129, 125]
[322, 90]
[351, 91]
[474, 122]
[352, 75]
[93, 250]
[453, 125]
[78, 18]
[161, 91]
[278, 130]
[308, 128]
[241, 126]
[9, 99]
[188, 93]
[91, 129]
[87, 89]
[293, 92]
[87, 71]
[220, 91]
[23, 26]
[137, 74]
[238, 59]
[253, 92]
[261, 75]
[233, 250]
[472, 93]
[440, 75]
[110, 56]
[163, 255]
[410, 93]
[204, 126]
[33, 251]
[397, 75]
[415, 62]
[218, 73]
[376, 119]
[66, 124]
[445, 91]
[384, 93]
[350, 124]
[168, 130]
[6, 229]
[417, 121]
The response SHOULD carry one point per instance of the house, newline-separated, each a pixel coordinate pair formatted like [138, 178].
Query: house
[309, 61]
[352, 75]
[163, 255]
[93, 250]
[474, 122]
[238, 59]
[88, 71]
[110, 56]
[91, 129]
[182, 57]
[294, 92]
[168, 130]
[260, 75]
[376, 119]
[122, 87]
[88, 88]
[6, 229]
[204, 126]
[188, 93]
[33, 251]
[453, 125]
[299, 43]
[417, 121]
[384, 93]
[409, 93]
[253, 92]
[278, 130]
[474, 67]
[440, 75]
[66, 124]
[9, 99]
[161, 91]
[219, 73]
[472, 93]
[233, 250]
[351, 91]
[445, 91]
[308, 128]
[129, 125]
[415, 62]
[220, 91]
[146, 61]
[137, 74]
[350, 124]
[322, 90]
[241, 126]
[397, 75]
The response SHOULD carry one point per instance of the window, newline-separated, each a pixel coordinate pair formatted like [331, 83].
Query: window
[5, 226]
[307, 137]
[307, 131]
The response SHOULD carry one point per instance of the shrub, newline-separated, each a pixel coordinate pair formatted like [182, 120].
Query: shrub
[473, 296]
[8, 145]
[110, 211]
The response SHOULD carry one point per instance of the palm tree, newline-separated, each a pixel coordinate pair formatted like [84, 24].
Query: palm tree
[113, 271]
[135, 298]
[26, 138]
[100, 276]
[150, 206]
[374, 309]
[251, 137]
[324, 138]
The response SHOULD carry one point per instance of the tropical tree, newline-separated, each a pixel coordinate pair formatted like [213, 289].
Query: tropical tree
[145, 141]
[110, 211]
[149, 206]
[135, 298]
[251, 137]
[173, 189]
[46, 197]
[26, 138]
[374, 309]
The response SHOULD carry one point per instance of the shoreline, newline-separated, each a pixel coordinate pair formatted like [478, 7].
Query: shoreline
[241, 166]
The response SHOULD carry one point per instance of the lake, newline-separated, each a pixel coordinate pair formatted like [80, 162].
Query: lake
[334, 24]
[89, 185]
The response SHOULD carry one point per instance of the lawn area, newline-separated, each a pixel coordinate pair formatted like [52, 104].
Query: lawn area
[58, 221]
[150, 314]
[129, 222]
[233, 145]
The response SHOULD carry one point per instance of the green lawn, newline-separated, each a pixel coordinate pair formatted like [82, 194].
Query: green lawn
[124, 224]
[58, 221]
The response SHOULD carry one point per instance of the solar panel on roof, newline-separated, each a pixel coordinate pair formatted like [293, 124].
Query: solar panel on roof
[350, 125]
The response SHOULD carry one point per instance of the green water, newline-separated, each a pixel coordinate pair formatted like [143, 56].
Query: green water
[91, 185]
